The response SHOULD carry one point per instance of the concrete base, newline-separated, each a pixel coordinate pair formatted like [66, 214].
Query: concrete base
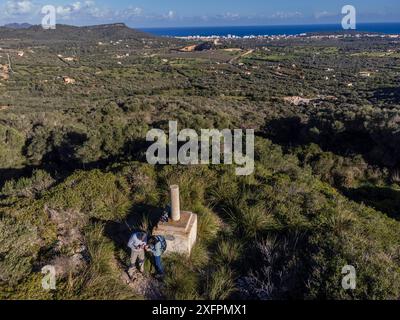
[181, 236]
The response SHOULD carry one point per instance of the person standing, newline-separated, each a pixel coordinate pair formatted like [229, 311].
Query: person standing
[137, 244]
[157, 245]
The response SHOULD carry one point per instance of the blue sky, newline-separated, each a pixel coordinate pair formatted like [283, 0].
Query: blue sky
[172, 13]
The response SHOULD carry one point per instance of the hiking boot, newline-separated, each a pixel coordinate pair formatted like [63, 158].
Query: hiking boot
[131, 273]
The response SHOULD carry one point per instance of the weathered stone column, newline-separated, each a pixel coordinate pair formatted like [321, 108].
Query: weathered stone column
[175, 203]
[180, 231]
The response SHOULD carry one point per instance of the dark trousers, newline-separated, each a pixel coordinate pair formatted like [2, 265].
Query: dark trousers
[158, 264]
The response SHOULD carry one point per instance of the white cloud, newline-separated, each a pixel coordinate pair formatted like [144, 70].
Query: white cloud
[76, 7]
[231, 16]
[63, 11]
[81, 11]
[19, 7]
[286, 15]
[136, 11]
[324, 14]
[129, 13]
[171, 14]
[88, 10]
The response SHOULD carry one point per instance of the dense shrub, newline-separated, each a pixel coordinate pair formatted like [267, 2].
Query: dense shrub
[284, 232]
[28, 187]
[100, 195]
[19, 246]
[11, 147]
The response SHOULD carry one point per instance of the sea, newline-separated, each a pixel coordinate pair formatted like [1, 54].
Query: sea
[241, 31]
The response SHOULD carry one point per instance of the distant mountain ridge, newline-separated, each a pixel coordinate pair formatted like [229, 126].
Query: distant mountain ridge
[36, 33]
[18, 25]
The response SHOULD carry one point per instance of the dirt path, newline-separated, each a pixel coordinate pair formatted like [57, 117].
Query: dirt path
[143, 285]
[241, 56]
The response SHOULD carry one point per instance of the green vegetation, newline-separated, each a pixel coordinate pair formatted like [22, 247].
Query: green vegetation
[73, 175]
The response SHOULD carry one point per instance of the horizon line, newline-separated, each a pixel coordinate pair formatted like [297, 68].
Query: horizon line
[206, 26]
[264, 25]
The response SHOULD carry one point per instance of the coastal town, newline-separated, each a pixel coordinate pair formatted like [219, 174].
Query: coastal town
[355, 35]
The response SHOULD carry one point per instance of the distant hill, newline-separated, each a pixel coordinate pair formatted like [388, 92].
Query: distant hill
[17, 25]
[64, 33]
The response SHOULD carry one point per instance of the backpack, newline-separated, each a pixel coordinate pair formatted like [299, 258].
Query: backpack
[163, 243]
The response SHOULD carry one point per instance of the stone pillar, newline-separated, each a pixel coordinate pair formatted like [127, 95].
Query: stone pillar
[180, 231]
[175, 204]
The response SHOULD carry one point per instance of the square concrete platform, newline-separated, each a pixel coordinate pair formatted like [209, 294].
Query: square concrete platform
[181, 236]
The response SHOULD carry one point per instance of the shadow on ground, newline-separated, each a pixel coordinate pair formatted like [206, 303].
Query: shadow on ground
[383, 199]
[388, 94]
[140, 218]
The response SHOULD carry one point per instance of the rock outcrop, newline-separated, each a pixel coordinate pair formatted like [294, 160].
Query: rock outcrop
[70, 250]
